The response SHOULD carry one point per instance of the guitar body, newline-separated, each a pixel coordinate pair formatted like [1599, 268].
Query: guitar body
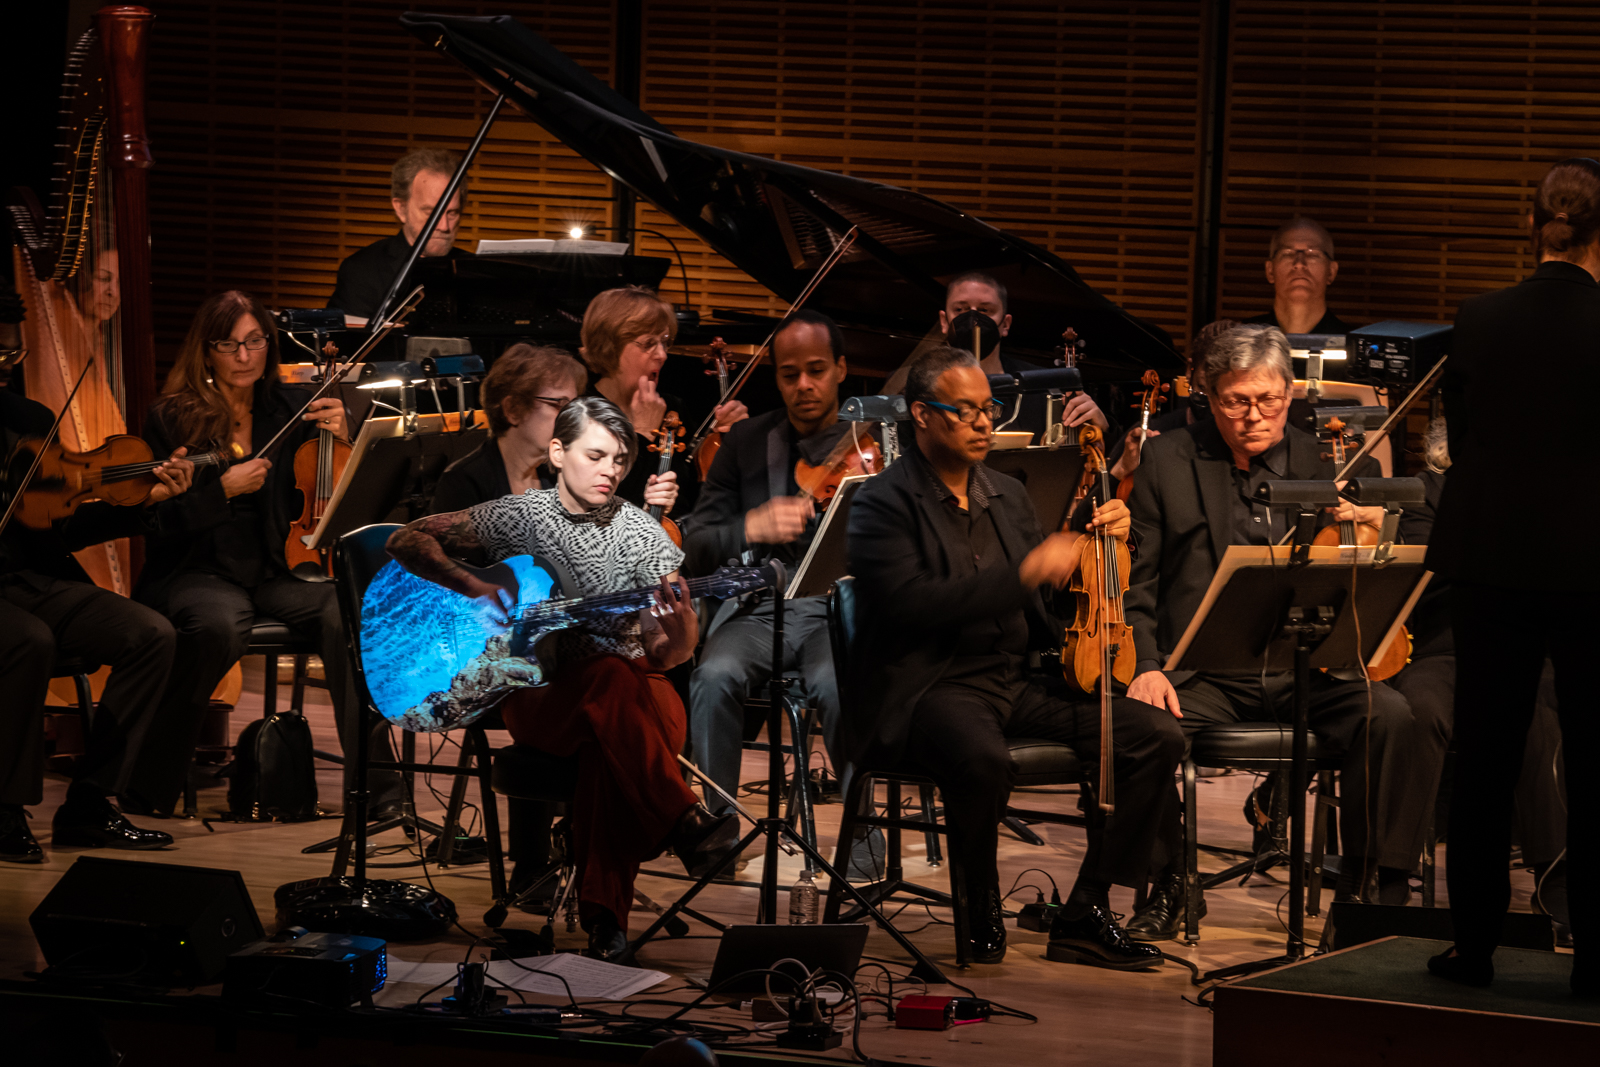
[435, 660]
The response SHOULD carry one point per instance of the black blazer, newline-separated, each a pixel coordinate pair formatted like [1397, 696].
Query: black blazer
[365, 275]
[476, 478]
[1181, 507]
[910, 607]
[206, 507]
[1528, 348]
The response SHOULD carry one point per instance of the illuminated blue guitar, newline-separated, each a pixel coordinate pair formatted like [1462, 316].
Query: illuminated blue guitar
[435, 660]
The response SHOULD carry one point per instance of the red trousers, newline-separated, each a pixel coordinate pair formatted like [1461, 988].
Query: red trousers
[626, 727]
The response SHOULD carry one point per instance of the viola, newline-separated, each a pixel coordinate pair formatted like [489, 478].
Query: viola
[119, 472]
[1097, 648]
[718, 358]
[318, 465]
[1150, 401]
[819, 482]
[667, 443]
[1347, 533]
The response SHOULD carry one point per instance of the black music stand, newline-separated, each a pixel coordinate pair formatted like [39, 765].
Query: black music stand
[1051, 476]
[825, 561]
[1264, 611]
[775, 826]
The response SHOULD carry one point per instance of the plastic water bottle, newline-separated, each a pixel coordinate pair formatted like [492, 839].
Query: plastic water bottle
[803, 900]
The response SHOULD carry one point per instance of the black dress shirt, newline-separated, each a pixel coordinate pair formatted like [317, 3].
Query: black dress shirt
[1252, 522]
[1329, 323]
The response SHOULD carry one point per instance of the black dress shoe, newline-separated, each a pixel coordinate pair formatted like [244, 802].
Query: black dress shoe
[1162, 914]
[1463, 970]
[701, 839]
[84, 822]
[16, 840]
[607, 939]
[1258, 813]
[1096, 939]
[986, 926]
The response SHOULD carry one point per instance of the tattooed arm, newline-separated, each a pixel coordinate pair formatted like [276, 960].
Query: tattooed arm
[424, 548]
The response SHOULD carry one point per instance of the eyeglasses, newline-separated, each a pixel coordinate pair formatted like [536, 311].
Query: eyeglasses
[1268, 405]
[228, 348]
[968, 414]
[1308, 256]
[558, 402]
[652, 343]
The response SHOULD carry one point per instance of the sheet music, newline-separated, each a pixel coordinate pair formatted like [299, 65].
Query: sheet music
[588, 979]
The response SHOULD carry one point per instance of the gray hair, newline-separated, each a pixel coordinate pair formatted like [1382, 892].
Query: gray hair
[576, 417]
[926, 370]
[1248, 349]
[1436, 446]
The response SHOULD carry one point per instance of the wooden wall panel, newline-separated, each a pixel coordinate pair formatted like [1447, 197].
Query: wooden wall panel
[1414, 131]
[275, 126]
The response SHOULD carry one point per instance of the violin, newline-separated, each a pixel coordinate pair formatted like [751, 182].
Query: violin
[667, 443]
[1348, 533]
[118, 472]
[819, 482]
[1092, 650]
[1150, 401]
[318, 466]
[713, 440]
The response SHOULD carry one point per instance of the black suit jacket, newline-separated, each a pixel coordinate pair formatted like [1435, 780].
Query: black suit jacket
[911, 607]
[476, 478]
[365, 276]
[1181, 507]
[1530, 347]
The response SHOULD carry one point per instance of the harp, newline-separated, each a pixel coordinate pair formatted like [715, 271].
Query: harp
[83, 264]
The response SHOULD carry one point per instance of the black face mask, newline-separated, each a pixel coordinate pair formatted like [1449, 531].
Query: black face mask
[961, 330]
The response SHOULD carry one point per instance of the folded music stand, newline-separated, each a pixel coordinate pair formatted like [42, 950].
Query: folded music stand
[1262, 612]
[826, 561]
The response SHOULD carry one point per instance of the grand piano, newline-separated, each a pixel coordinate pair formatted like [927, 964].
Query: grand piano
[778, 222]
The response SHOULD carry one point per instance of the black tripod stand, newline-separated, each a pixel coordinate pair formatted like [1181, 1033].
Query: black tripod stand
[774, 828]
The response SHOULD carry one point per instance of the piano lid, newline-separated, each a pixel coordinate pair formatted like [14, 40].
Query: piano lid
[779, 221]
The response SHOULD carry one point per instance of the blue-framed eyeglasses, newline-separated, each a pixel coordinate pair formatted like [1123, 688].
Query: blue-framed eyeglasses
[968, 414]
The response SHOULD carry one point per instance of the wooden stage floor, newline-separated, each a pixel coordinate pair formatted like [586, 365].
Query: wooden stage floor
[1086, 1015]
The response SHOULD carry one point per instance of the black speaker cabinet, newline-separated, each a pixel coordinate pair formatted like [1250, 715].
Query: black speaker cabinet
[144, 923]
[1355, 924]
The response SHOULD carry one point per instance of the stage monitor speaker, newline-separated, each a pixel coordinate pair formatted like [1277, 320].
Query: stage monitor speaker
[156, 924]
[1350, 923]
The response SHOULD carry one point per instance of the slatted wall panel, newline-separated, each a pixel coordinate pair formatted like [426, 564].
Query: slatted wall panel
[1415, 132]
[1074, 126]
[275, 125]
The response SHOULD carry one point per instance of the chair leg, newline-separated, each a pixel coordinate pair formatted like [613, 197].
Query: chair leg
[894, 867]
[1430, 870]
[1319, 842]
[491, 812]
[958, 908]
[1191, 856]
[452, 813]
[841, 855]
[800, 813]
[930, 838]
[297, 694]
[269, 687]
[85, 700]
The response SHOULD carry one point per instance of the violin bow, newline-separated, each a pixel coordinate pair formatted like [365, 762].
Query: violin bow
[338, 370]
[832, 261]
[38, 458]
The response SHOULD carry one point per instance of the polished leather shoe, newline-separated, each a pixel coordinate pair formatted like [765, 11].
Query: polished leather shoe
[16, 840]
[607, 940]
[986, 926]
[1097, 940]
[100, 825]
[1463, 970]
[701, 839]
[1162, 915]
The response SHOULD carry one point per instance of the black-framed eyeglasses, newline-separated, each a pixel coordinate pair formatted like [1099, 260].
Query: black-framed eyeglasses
[251, 344]
[1306, 255]
[558, 402]
[968, 414]
[1235, 408]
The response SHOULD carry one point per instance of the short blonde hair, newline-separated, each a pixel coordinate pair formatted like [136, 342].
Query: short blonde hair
[618, 316]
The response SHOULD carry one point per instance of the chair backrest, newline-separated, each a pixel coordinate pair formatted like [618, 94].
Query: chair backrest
[357, 558]
[842, 636]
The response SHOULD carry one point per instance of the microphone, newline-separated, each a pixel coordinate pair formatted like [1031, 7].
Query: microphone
[1043, 380]
[874, 409]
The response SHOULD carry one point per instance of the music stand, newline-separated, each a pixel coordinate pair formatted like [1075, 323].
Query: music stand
[1263, 611]
[1050, 475]
[826, 561]
[390, 469]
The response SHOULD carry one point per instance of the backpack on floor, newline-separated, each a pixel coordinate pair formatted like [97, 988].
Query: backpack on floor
[273, 776]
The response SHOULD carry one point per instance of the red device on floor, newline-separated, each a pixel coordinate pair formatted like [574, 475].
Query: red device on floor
[918, 1012]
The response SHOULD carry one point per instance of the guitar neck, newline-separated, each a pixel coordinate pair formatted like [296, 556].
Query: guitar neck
[616, 603]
